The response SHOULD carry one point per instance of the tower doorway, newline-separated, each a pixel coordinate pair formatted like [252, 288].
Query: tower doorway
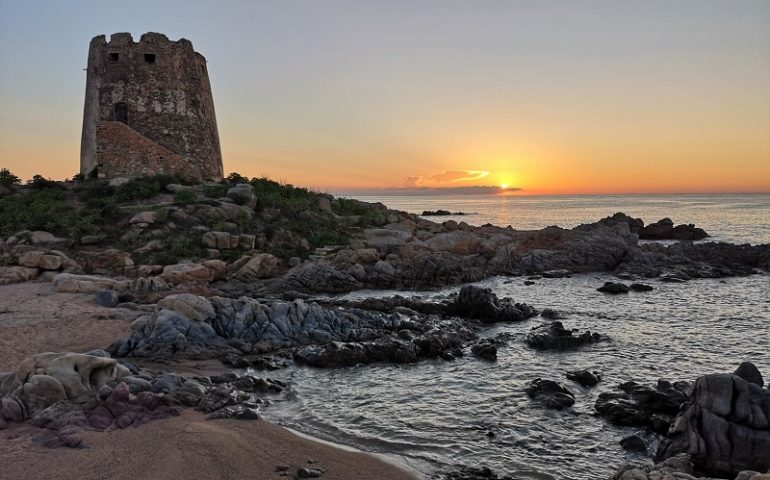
[121, 112]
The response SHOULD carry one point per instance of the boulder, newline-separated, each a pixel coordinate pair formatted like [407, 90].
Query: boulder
[220, 240]
[459, 242]
[47, 378]
[482, 304]
[31, 259]
[194, 307]
[107, 261]
[613, 288]
[584, 377]
[724, 427]
[144, 217]
[107, 298]
[553, 336]
[243, 194]
[260, 266]
[182, 273]
[383, 238]
[71, 283]
[551, 394]
[638, 405]
[664, 229]
[50, 262]
[749, 372]
[9, 275]
[485, 349]
[44, 238]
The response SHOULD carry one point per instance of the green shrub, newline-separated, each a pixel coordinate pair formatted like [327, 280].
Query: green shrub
[215, 191]
[7, 179]
[47, 210]
[39, 182]
[185, 197]
[235, 178]
[186, 247]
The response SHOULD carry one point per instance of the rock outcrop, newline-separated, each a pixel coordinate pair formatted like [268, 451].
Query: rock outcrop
[553, 336]
[724, 426]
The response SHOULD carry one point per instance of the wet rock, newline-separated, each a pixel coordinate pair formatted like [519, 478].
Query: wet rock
[634, 443]
[557, 273]
[678, 467]
[584, 377]
[550, 314]
[553, 336]
[749, 372]
[485, 349]
[613, 288]
[724, 427]
[483, 304]
[551, 394]
[641, 287]
[639, 405]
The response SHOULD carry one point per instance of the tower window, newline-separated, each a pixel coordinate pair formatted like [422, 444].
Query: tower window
[114, 56]
[149, 57]
[121, 112]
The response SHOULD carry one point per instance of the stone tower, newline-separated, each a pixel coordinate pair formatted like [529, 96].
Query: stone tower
[148, 110]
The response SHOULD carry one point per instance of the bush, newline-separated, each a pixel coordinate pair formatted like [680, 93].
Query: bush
[186, 247]
[7, 179]
[185, 197]
[39, 182]
[235, 178]
[215, 191]
[47, 210]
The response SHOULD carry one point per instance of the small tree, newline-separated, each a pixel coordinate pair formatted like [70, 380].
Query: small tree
[8, 179]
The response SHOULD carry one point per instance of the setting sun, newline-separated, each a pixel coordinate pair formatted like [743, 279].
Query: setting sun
[503, 186]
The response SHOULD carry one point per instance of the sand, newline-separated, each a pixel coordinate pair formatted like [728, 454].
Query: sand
[34, 319]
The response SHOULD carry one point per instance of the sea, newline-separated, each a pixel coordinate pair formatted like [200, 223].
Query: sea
[436, 415]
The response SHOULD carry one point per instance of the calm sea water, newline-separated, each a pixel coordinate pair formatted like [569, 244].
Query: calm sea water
[436, 414]
[738, 218]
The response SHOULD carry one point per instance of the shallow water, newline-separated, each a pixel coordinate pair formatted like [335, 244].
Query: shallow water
[737, 218]
[435, 414]
[438, 413]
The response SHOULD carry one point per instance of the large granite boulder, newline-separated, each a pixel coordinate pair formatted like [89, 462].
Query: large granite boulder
[44, 379]
[640, 405]
[724, 427]
[553, 336]
[482, 304]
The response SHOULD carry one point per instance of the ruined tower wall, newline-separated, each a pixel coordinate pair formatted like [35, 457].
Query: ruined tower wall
[160, 89]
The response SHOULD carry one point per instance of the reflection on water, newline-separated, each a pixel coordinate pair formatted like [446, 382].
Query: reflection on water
[737, 218]
[440, 413]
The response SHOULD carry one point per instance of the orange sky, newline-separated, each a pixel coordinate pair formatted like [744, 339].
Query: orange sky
[610, 97]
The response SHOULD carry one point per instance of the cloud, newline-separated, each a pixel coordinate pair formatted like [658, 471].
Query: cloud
[447, 177]
[408, 191]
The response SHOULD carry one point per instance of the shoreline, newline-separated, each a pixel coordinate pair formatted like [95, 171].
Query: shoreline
[251, 445]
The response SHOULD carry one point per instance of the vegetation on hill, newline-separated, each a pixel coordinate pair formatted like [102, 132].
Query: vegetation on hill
[287, 221]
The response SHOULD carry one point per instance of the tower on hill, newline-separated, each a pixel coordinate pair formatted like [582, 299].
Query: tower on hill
[148, 110]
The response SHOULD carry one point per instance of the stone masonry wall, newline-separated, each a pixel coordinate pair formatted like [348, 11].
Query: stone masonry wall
[123, 152]
[160, 89]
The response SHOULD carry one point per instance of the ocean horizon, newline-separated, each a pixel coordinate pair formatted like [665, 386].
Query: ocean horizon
[727, 217]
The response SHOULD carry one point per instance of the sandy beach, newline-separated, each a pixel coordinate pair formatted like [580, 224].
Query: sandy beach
[34, 319]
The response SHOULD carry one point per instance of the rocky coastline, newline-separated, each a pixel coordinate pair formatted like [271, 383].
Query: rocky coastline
[232, 277]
